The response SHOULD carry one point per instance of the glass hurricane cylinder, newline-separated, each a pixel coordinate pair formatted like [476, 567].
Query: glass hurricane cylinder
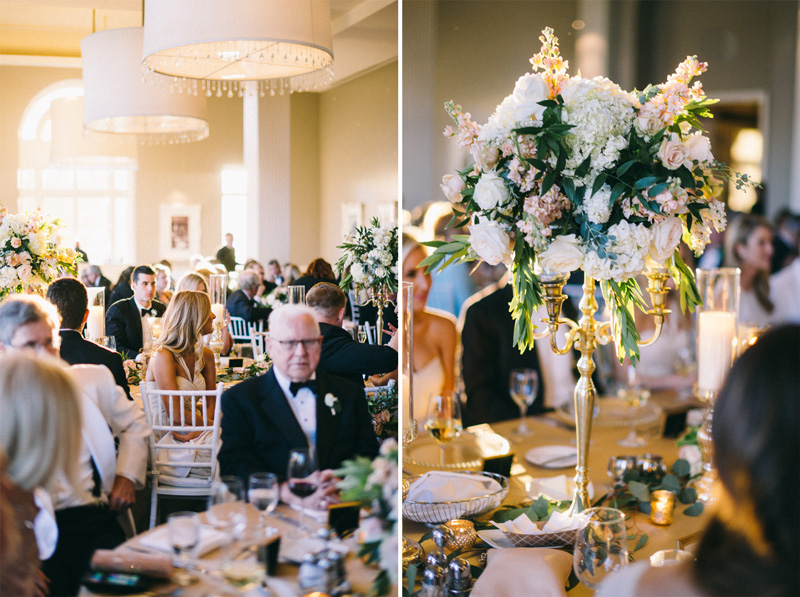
[96, 321]
[717, 321]
[409, 426]
[218, 293]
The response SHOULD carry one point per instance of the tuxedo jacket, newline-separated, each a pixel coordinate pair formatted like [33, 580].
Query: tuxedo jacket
[77, 350]
[240, 305]
[259, 427]
[124, 322]
[343, 356]
[489, 355]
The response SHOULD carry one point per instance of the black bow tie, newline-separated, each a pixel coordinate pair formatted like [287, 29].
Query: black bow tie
[295, 386]
[145, 312]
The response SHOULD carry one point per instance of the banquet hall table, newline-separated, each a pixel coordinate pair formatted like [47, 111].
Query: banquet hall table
[551, 430]
[283, 584]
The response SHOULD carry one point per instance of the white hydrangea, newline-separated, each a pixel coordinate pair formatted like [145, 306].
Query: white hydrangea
[597, 207]
[358, 273]
[630, 246]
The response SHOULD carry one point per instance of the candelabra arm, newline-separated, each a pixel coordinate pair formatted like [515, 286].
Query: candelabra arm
[604, 333]
[572, 336]
[656, 333]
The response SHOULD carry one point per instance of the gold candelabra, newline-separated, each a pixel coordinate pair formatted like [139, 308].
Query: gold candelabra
[586, 335]
[378, 297]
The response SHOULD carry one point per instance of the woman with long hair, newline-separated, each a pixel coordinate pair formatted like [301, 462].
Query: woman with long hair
[435, 334]
[748, 246]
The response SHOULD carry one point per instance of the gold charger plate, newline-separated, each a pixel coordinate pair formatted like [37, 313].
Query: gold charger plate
[614, 412]
[468, 451]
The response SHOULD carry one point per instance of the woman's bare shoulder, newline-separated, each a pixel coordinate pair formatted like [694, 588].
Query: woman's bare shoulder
[441, 320]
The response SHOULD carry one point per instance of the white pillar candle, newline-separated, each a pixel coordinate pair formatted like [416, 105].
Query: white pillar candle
[96, 322]
[716, 331]
[218, 310]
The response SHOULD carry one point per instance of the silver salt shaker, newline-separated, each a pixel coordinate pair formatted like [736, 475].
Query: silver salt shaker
[459, 578]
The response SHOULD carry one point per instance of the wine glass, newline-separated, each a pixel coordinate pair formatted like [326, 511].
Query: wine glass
[226, 507]
[184, 535]
[601, 546]
[109, 342]
[443, 420]
[362, 334]
[302, 481]
[523, 384]
[635, 396]
[263, 495]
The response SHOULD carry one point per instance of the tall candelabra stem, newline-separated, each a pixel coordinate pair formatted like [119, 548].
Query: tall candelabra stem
[216, 343]
[379, 323]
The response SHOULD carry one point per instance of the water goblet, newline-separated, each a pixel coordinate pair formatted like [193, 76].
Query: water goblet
[443, 420]
[303, 482]
[262, 493]
[226, 507]
[109, 342]
[618, 466]
[601, 546]
[184, 535]
[362, 334]
[523, 384]
[635, 396]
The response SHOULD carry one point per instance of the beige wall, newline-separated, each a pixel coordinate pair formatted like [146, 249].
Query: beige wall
[306, 157]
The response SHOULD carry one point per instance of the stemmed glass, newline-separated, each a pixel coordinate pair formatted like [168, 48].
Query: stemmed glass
[523, 384]
[601, 546]
[635, 396]
[184, 535]
[230, 513]
[302, 481]
[443, 420]
[362, 334]
[263, 495]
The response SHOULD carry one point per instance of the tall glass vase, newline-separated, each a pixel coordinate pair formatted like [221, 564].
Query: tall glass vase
[218, 293]
[409, 425]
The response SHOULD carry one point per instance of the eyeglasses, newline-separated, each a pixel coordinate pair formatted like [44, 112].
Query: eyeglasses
[308, 343]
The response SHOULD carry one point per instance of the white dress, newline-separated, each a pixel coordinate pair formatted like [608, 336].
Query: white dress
[198, 383]
[428, 381]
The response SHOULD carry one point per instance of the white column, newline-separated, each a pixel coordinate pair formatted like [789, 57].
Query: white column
[591, 49]
[266, 159]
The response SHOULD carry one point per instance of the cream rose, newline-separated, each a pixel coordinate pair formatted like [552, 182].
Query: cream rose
[24, 272]
[491, 191]
[452, 186]
[528, 92]
[563, 255]
[698, 148]
[490, 242]
[672, 152]
[666, 236]
[648, 124]
[485, 157]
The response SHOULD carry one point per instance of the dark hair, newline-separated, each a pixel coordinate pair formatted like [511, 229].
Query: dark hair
[321, 269]
[752, 545]
[142, 270]
[71, 299]
[251, 262]
[738, 233]
[326, 298]
[125, 276]
[274, 262]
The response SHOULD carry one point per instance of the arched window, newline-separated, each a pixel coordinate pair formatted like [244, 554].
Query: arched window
[94, 198]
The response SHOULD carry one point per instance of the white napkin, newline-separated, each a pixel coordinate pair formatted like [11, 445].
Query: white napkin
[210, 539]
[522, 525]
[321, 516]
[440, 486]
[557, 489]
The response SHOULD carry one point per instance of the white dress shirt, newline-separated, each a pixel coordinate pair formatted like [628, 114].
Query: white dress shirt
[147, 339]
[304, 406]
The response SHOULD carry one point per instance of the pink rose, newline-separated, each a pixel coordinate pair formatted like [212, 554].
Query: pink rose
[666, 236]
[16, 242]
[673, 152]
[452, 186]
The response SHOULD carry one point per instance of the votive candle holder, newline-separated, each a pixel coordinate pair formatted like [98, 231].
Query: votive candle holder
[464, 535]
[662, 503]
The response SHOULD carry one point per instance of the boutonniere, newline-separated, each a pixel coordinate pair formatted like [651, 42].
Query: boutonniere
[153, 312]
[332, 402]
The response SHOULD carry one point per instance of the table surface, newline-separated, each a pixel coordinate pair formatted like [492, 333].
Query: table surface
[550, 430]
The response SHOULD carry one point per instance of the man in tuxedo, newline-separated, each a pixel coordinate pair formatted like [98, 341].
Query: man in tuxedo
[125, 318]
[241, 303]
[86, 515]
[95, 279]
[293, 406]
[71, 299]
[341, 355]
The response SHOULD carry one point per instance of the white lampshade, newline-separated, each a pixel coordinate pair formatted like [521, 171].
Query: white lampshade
[69, 145]
[117, 101]
[284, 44]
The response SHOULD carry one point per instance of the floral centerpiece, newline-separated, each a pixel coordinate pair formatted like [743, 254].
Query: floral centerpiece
[260, 365]
[373, 483]
[382, 405]
[276, 297]
[369, 258]
[572, 173]
[31, 258]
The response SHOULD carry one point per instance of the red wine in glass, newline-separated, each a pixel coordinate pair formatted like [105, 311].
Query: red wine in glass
[301, 476]
[302, 489]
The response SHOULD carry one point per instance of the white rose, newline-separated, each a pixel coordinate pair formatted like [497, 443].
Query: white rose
[699, 148]
[563, 255]
[490, 191]
[648, 124]
[490, 242]
[528, 92]
[672, 152]
[452, 186]
[666, 236]
[380, 272]
[357, 272]
[693, 456]
[24, 272]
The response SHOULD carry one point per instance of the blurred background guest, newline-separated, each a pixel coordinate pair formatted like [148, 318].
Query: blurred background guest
[317, 271]
[122, 289]
[163, 284]
[290, 274]
[241, 302]
[748, 246]
[95, 279]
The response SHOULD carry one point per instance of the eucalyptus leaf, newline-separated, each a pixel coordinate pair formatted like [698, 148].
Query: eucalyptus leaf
[642, 541]
[671, 483]
[639, 491]
[695, 509]
[688, 495]
[681, 468]
[541, 507]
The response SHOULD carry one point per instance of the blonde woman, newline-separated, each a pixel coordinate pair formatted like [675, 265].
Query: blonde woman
[195, 281]
[748, 246]
[180, 361]
[40, 434]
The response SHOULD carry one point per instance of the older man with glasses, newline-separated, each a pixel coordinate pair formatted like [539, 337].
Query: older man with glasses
[294, 406]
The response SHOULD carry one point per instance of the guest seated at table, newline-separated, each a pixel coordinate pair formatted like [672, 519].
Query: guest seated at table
[96, 279]
[435, 335]
[341, 354]
[70, 298]
[748, 246]
[266, 286]
[291, 273]
[39, 438]
[108, 472]
[125, 319]
[196, 281]
[241, 303]
[751, 545]
[275, 273]
[163, 284]
[317, 271]
[122, 289]
[292, 406]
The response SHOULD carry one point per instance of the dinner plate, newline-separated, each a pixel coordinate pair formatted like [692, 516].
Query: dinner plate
[556, 489]
[465, 452]
[495, 538]
[553, 457]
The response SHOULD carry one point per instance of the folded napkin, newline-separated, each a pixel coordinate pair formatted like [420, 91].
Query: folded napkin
[529, 571]
[440, 486]
[150, 564]
[210, 539]
[522, 525]
[321, 516]
[557, 489]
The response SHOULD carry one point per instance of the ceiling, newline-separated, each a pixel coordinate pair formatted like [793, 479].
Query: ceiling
[48, 32]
